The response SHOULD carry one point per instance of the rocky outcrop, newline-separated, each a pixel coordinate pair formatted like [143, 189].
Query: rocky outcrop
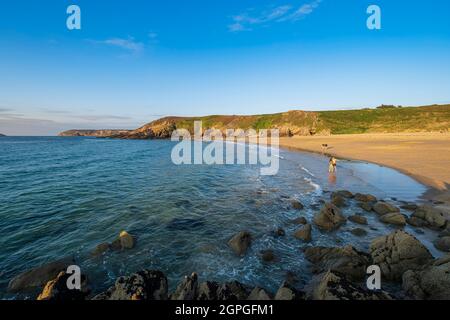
[300, 220]
[240, 242]
[124, 241]
[288, 292]
[232, 291]
[397, 253]
[443, 244]
[329, 218]
[346, 260]
[396, 219]
[57, 289]
[38, 277]
[267, 255]
[383, 208]
[333, 285]
[338, 201]
[143, 285]
[417, 222]
[304, 233]
[297, 205]
[93, 133]
[358, 219]
[259, 294]
[207, 291]
[432, 216]
[342, 193]
[430, 283]
[359, 232]
[365, 197]
[187, 289]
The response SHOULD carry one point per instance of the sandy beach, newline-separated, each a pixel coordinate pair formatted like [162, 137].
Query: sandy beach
[423, 156]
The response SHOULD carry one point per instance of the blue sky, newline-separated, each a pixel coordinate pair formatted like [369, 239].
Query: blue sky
[134, 61]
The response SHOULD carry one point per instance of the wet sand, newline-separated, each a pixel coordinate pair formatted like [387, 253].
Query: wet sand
[423, 156]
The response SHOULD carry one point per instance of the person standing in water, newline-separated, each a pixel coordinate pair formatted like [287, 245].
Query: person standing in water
[332, 165]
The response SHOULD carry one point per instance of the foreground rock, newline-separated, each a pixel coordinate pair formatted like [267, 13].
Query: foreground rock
[207, 291]
[57, 290]
[396, 219]
[232, 291]
[258, 294]
[304, 233]
[430, 283]
[288, 292]
[143, 285]
[240, 242]
[342, 193]
[329, 218]
[333, 285]
[187, 289]
[443, 244]
[397, 253]
[39, 276]
[358, 219]
[346, 260]
[432, 216]
[365, 197]
[383, 208]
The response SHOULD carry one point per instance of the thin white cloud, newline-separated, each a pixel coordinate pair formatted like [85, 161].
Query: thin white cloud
[249, 19]
[128, 44]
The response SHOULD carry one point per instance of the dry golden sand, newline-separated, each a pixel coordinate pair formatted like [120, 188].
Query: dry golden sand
[423, 156]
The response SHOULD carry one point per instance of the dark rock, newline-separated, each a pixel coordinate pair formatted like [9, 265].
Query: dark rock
[125, 241]
[258, 294]
[365, 197]
[333, 285]
[443, 244]
[287, 292]
[232, 291]
[207, 291]
[297, 205]
[57, 290]
[338, 201]
[304, 233]
[329, 218]
[359, 232]
[280, 232]
[409, 207]
[267, 255]
[383, 208]
[100, 249]
[143, 285]
[433, 216]
[358, 219]
[347, 260]
[300, 220]
[240, 242]
[342, 193]
[39, 276]
[397, 253]
[431, 282]
[187, 289]
[417, 222]
[393, 218]
[366, 206]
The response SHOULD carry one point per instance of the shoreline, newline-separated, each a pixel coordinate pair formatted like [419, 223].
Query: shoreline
[403, 146]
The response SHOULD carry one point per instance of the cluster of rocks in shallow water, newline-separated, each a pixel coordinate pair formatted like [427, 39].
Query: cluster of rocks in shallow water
[339, 273]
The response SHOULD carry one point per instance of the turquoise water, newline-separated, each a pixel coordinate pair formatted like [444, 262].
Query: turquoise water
[63, 196]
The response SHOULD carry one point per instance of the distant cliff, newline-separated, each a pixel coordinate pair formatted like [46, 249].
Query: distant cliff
[2, 135]
[385, 119]
[92, 133]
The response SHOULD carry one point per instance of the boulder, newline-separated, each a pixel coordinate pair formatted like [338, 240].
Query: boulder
[207, 291]
[280, 232]
[240, 242]
[267, 255]
[443, 244]
[433, 216]
[187, 289]
[365, 197]
[359, 232]
[259, 294]
[304, 233]
[232, 291]
[358, 219]
[300, 220]
[143, 285]
[397, 253]
[100, 249]
[383, 208]
[123, 242]
[394, 218]
[417, 222]
[346, 260]
[333, 285]
[39, 276]
[342, 193]
[297, 205]
[57, 290]
[430, 283]
[329, 218]
[288, 292]
[409, 207]
[338, 201]
[366, 206]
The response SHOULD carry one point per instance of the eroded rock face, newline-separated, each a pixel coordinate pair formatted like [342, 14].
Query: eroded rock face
[346, 260]
[432, 216]
[333, 285]
[207, 291]
[259, 294]
[187, 289]
[288, 292]
[232, 291]
[430, 283]
[39, 276]
[398, 252]
[329, 218]
[143, 285]
[396, 219]
[57, 290]
[240, 242]
[383, 208]
[304, 233]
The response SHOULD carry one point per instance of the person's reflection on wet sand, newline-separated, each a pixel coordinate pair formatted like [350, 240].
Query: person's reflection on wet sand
[332, 178]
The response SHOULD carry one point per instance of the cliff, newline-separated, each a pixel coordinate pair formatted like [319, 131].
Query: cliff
[92, 133]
